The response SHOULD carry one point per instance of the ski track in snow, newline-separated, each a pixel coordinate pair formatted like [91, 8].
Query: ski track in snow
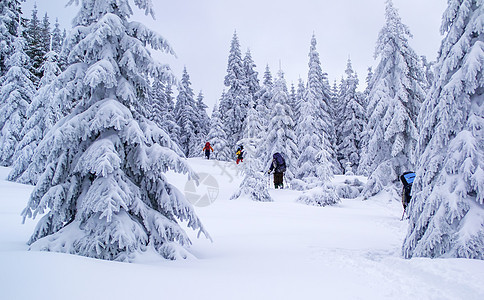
[279, 250]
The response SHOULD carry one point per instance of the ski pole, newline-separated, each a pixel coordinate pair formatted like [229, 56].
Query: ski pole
[402, 215]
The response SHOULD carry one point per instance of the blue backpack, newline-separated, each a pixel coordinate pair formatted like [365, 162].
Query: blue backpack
[407, 178]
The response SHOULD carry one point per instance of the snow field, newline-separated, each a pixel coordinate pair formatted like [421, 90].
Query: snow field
[276, 250]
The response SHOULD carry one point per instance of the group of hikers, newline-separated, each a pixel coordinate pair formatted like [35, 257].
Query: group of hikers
[278, 165]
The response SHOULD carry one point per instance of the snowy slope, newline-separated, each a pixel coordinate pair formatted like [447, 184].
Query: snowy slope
[279, 250]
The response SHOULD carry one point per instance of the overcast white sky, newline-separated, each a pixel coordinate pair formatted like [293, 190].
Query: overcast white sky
[200, 31]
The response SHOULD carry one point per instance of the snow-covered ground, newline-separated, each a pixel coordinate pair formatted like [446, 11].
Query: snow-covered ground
[279, 250]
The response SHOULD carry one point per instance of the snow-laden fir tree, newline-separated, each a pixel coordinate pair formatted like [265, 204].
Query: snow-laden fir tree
[162, 109]
[292, 94]
[313, 165]
[366, 92]
[447, 207]
[42, 114]
[56, 45]
[254, 184]
[46, 35]
[280, 136]
[16, 93]
[186, 117]
[264, 96]
[335, 92]
[218, 138]
[234, 106]
[35, 47]
[157, 102]
[427, 68]
[313, 162]
[104, 193]
[365, 134]
[293, 102]
[203, 119]
[300, 92]
[315, 94]
[336, 109]
[174, 132]
[393, 105]
[10, 12]
[351, 123]
[251, 76]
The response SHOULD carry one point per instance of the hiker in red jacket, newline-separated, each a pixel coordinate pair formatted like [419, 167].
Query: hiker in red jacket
[207, 149]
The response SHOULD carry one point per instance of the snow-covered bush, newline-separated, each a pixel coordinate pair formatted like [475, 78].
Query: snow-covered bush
[349, 189]
[319, 196]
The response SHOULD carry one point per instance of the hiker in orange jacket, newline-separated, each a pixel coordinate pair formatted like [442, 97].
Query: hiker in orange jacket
[207, 149]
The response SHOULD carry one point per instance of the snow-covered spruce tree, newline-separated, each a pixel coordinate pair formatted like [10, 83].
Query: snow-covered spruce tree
[235, 105]
[365, 134]
[218, 138]
[203, 119]
[156, 107]
[104, 192]
[311, 170]
[186, 117]
[174, 132]
[58, 38]
[10, 12]
[42, 114]
[280, 135]
[254, 184]
[293, 102]
[368, 81]
[251, 76]
[313, 165]
[16, 93]
[264, 96]
[393, 105]
[56, 45]
[46, 35]
[427, 68]
[320, 100]
[162, 109]
[300, 92]
[352, 121]
[447, 208]
[268, 77]
[35, 45]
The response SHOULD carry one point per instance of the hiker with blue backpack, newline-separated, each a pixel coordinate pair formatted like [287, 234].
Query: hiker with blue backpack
[279, 166]
[407, 181]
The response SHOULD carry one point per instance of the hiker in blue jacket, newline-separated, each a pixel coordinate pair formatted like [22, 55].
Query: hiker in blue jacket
[279, 167]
